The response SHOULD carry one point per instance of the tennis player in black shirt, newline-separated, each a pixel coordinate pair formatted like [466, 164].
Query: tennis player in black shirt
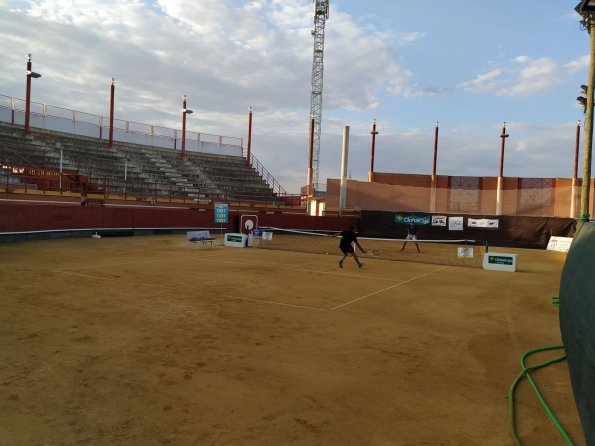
[348, 238]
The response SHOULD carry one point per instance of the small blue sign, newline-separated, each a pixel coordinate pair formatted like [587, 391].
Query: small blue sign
[221, 213]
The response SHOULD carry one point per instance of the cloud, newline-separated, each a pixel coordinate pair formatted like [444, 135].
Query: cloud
[528, 77]
[229, 54]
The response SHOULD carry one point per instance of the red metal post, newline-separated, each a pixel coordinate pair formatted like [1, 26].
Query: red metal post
[574, 195]
[310, 186]
[249, 134]
[111, 112]
[183, 126]
[28, 95]
[578, 136]
[435, 152]
[374, 133]
[503, 136]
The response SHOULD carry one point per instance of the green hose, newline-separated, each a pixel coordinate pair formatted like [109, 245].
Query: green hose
[525, 372]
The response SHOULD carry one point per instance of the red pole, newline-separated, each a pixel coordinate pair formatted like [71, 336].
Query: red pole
[310, 186]
[578, 136]
[249, 134]
[374, 133]
[503, 136]
[183, 126]
[28, 95]
[435, 152]
[111, 112]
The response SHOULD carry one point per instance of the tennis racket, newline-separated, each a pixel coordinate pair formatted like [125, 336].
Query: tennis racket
[375, 252]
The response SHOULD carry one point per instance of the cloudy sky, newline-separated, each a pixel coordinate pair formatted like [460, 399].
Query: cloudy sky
[468, 64]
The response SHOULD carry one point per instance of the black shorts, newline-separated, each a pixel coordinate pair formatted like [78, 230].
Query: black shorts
[346, 249]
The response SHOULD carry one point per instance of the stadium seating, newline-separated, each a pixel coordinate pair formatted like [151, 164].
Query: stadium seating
[133, 169]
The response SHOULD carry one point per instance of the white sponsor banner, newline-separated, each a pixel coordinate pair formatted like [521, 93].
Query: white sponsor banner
[482, 222]
[465, 251]
[455, 223]
[439, 220]
[561, 244]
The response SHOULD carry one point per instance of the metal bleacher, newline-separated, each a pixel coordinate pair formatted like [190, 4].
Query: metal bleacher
[132, 169]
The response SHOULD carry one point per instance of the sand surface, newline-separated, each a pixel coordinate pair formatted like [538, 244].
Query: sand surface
[143, 341]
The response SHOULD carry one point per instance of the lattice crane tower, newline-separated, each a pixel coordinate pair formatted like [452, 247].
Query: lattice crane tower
[321, 13]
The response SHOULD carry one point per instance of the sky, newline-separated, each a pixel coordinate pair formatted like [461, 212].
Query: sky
[471, 65]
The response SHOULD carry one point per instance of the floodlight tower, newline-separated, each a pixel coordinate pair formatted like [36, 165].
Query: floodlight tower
[321, 13]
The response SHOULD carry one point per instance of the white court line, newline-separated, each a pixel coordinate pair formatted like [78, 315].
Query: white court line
[387, 288]
[108, 264]
[233, 262]
[296, 268]
[81, 275]
[238, 297]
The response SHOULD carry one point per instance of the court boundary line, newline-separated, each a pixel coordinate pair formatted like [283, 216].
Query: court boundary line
[387, 288]
[289, 268]
[229, 296]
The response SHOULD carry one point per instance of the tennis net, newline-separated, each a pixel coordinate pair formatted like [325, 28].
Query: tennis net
[441, 252]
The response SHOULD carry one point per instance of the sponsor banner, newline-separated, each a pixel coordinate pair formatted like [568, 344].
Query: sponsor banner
[561, 244]
[439, 220]
[455, 223]
[465, 251]
[500, 260]
[417, 219]
[483, 222]
[221, 213]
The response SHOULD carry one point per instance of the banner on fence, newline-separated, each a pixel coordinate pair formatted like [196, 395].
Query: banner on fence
[483, 222]
[417, 219]
[439, 220]
[455, 223]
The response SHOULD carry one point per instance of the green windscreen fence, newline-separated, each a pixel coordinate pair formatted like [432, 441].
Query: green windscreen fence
[577, 323]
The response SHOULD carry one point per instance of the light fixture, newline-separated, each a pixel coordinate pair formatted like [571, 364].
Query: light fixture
[585, 6]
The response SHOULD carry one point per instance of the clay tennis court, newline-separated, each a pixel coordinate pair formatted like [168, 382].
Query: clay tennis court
[143, 341]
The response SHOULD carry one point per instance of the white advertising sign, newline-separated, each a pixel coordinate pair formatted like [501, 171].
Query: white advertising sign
[561, 244]
[455, 223]
[438, 220]
[482, 222]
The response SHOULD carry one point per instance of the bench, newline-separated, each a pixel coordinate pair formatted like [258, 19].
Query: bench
[196, 237]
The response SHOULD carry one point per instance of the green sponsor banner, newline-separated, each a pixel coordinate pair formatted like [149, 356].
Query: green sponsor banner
[234, 238]
[417, 219]
[500, 260]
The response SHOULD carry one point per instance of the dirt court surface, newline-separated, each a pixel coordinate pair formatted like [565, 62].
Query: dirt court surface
[143, 341]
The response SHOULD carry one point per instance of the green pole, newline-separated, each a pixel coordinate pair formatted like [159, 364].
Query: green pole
[588, 126]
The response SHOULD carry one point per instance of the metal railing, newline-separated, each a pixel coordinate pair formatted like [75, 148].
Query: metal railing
[266, 175]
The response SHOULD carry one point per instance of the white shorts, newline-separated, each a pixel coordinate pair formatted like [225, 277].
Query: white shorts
[411, 237]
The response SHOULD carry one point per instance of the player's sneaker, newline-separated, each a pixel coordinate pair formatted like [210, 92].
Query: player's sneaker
[340, 263]
[361, 264]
